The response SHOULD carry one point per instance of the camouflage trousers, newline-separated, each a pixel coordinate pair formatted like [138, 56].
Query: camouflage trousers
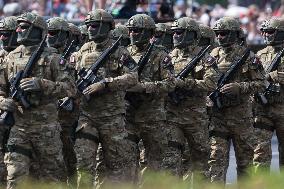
[267, 120]
[195, 135]
[68, 122]
[156, 143]
[133, 137]
[3, 169]
[35, 141]
[222, 131]
[117, 150]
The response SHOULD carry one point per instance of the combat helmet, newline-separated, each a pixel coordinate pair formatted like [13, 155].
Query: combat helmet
[36, 23]
[273, 31]
[8, 26]
[185, 32]
[227, 31]
[58, 32]
[121, 30]
[84, 33]
[141, 28]
[207, 36]
[163, 35]
[99, 24]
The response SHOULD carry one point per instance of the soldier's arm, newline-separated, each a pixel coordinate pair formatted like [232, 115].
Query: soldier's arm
[210, 77]
[4, 84]
[129, 77]
[256, 76]
[63, 83]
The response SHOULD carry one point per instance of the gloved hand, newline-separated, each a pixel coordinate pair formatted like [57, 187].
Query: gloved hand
[94, 88]
[30, 84]
[280, 77]
[231, 89]
[8, 104]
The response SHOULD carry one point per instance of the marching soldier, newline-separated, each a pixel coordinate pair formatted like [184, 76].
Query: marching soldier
[36, 133]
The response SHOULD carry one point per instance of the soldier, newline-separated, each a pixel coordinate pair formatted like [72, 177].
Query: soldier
[189, 116]
[84, 34]
[233, 121]
[8, 37]
[76, 36]
[121, 30]
[102, 118]
[57, 37]
[149, 94]
[269, 117]
[36, 133]
[164, 36]
[207, 36]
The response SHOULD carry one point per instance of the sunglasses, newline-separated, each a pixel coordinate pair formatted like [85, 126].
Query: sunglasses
[23, 26]
[135, 30]
[178, 32]
[53, 32]
[222, 33]
[93, 24]
[269, 32]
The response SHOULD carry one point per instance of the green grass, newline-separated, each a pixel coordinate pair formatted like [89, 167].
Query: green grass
[163, 181]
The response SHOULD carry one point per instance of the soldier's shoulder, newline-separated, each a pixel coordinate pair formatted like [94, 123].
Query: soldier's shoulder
[215, 51]
[3, 53]
[264, 51]
[174, 52]
[87, 46]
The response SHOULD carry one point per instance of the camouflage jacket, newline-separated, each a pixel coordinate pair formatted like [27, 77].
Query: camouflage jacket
[118, 66]
[250, 78]
[57, 81]
[3, 53]
[205, 77]
[158, 68]
[266, 55]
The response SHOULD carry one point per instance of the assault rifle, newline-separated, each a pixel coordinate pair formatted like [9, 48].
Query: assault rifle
[67, 52]
[89, 76]
[134, 97]
[215, 96]
[270, 87]
[16, 93]
[179, 94]
[144, 59]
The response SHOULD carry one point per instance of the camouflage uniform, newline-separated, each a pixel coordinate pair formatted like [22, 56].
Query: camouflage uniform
[189, 116]
[233, 121]
[58, 33]
[36, 133]
[269, 117]
[7, 24]
[101, 169]
[102, 118]
[149, 112]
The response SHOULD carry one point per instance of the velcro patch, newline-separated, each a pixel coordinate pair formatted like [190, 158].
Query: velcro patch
[210, 60]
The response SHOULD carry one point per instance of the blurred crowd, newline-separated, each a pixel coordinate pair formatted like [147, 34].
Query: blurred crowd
[162, 10]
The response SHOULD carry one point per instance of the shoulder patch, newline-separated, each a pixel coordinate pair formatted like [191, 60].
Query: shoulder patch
[256, 60]
[210, 60]
[72, 59]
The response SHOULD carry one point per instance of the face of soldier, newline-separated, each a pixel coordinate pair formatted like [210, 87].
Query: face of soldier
[56, 38]
[7, 39]
[139, 36]
[28, 34]
[181, 37]
[226, 38]
[98, 31]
